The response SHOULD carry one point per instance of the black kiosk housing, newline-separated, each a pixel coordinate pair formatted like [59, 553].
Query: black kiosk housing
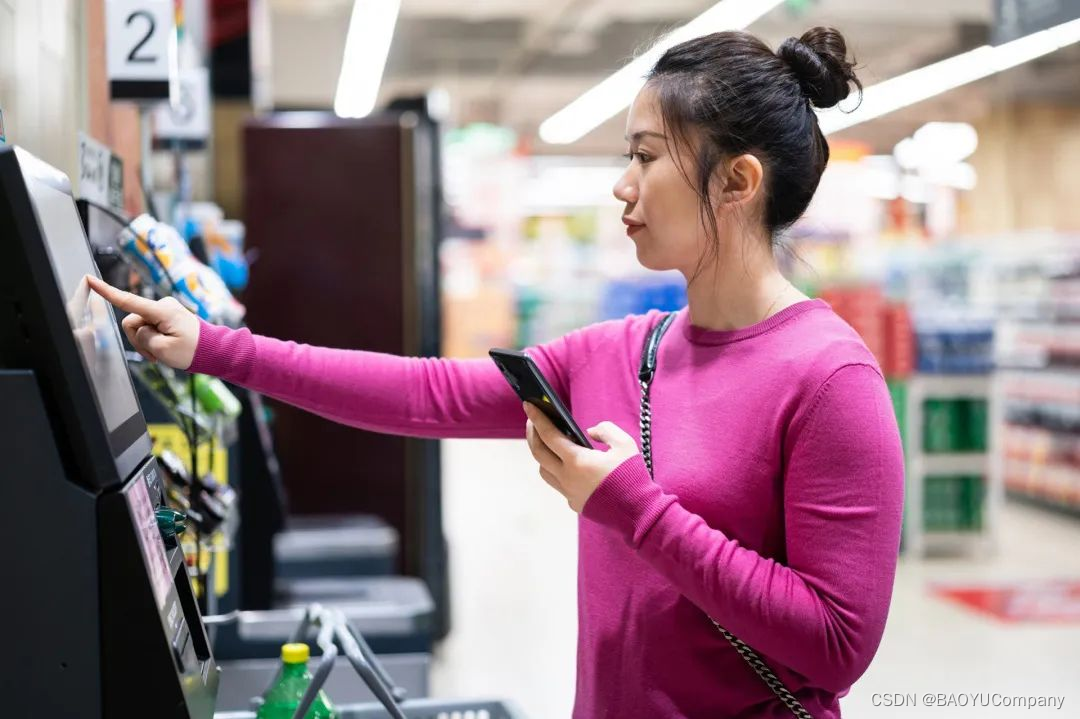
[100, 611]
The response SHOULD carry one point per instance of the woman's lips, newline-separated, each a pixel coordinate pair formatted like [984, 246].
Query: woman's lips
[632, 227]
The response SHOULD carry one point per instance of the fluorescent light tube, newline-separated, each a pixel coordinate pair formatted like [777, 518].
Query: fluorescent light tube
[926, 82]
[371, 28]
[617, 92]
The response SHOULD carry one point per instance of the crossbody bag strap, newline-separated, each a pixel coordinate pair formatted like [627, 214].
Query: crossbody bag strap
[646, 372]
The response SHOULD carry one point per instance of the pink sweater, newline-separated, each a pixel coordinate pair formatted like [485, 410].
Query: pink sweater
[775, 510]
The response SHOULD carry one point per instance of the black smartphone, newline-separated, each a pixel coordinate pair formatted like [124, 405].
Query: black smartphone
[528, 382]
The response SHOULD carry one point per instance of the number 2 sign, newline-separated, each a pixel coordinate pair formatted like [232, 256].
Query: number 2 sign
[140, 36]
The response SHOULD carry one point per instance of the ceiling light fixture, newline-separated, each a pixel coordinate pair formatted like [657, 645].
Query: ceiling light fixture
[617, 92]
[371, 28]
[932, 80]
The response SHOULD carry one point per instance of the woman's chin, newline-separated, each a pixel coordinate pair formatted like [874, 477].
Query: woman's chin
[650, 261]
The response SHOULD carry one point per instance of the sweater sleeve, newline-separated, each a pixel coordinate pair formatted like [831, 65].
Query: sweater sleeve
[822, 613]
[412, 396]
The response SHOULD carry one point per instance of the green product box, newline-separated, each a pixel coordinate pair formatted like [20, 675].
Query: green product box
[974, 496]
[944, 506]
[976, 425]
[942, 425]
[898, 393]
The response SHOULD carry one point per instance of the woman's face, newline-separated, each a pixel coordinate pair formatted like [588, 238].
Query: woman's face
[662, 212]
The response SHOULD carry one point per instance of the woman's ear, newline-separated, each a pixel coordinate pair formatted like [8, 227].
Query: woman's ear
[744, 177]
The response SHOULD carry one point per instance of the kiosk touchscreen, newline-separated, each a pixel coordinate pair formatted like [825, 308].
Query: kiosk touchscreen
[101, 611]
[87, 380]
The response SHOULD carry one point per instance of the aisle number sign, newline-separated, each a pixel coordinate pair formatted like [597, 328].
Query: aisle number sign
[188, 119]
[140, 48]
[101, 174]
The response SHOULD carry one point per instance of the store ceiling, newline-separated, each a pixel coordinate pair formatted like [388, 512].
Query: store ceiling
[516, 62]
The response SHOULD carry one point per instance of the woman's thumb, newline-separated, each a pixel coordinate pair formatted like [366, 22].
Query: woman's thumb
[610, 434]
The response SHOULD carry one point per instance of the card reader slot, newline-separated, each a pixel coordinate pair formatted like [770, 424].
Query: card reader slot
[192, 619]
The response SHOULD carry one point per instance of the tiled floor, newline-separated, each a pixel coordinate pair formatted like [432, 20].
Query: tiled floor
[513, 553]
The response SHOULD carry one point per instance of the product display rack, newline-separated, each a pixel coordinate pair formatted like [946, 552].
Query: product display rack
[1038, 305]
[1039, 458]
[924, 467]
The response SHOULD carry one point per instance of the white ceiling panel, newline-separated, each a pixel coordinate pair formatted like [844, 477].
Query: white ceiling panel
[518, 61]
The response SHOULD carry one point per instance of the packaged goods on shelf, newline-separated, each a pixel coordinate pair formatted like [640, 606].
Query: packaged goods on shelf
[953, 503]
[638, 295]
[1041, 438]
[1036, 284]
[955, 425]
[954, 345]
[163, 258]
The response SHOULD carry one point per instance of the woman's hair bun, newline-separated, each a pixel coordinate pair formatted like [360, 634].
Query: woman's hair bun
[819, 59]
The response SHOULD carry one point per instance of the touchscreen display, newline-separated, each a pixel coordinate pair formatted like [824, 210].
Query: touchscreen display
[91, 318]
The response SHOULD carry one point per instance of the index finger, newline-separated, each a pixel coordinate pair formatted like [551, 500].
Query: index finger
[551, 435]
[126, 301]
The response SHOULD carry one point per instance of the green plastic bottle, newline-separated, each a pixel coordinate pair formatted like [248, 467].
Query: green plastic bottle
[282, 699]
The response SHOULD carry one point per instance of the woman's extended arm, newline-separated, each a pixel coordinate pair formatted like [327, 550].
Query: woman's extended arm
[414, 396]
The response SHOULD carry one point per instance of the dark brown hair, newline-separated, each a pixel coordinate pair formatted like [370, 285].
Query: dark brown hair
[738, 96]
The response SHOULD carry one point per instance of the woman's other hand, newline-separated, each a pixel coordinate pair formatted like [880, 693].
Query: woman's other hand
[574, 471]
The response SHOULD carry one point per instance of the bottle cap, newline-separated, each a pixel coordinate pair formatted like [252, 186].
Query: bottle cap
[295, 653]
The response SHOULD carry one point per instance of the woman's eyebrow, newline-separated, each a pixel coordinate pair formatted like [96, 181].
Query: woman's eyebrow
[636, 137]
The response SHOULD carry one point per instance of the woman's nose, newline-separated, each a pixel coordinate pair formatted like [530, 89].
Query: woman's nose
[625, 190]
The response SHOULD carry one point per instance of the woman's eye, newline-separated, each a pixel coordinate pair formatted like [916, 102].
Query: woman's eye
[641, 156]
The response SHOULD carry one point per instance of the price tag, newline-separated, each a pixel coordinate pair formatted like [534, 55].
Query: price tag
[93, 170]
[140, 46]
[101, 174]
[189, 119]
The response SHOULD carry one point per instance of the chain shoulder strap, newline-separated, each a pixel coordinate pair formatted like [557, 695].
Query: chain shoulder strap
[646, 372]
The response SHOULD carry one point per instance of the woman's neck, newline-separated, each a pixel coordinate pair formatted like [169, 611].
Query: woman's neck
[736, 292]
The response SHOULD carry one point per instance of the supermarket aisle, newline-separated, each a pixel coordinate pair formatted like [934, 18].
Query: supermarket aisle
[513, 548]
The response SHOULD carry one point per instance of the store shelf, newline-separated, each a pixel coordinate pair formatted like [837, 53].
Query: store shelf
[1034, 500]
[953, 542]
[955, 463]
[918, 540]
[1037, 448]
[950, 386]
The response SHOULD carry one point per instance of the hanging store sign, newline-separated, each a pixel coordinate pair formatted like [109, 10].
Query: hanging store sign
[1016, 18]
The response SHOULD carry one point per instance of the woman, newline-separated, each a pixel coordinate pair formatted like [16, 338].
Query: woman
[775, 508]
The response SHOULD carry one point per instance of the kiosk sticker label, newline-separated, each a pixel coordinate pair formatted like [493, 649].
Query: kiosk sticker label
[95, 164]
[150, 541]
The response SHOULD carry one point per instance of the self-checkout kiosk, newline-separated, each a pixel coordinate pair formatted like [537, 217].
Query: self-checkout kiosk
[96, 594]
